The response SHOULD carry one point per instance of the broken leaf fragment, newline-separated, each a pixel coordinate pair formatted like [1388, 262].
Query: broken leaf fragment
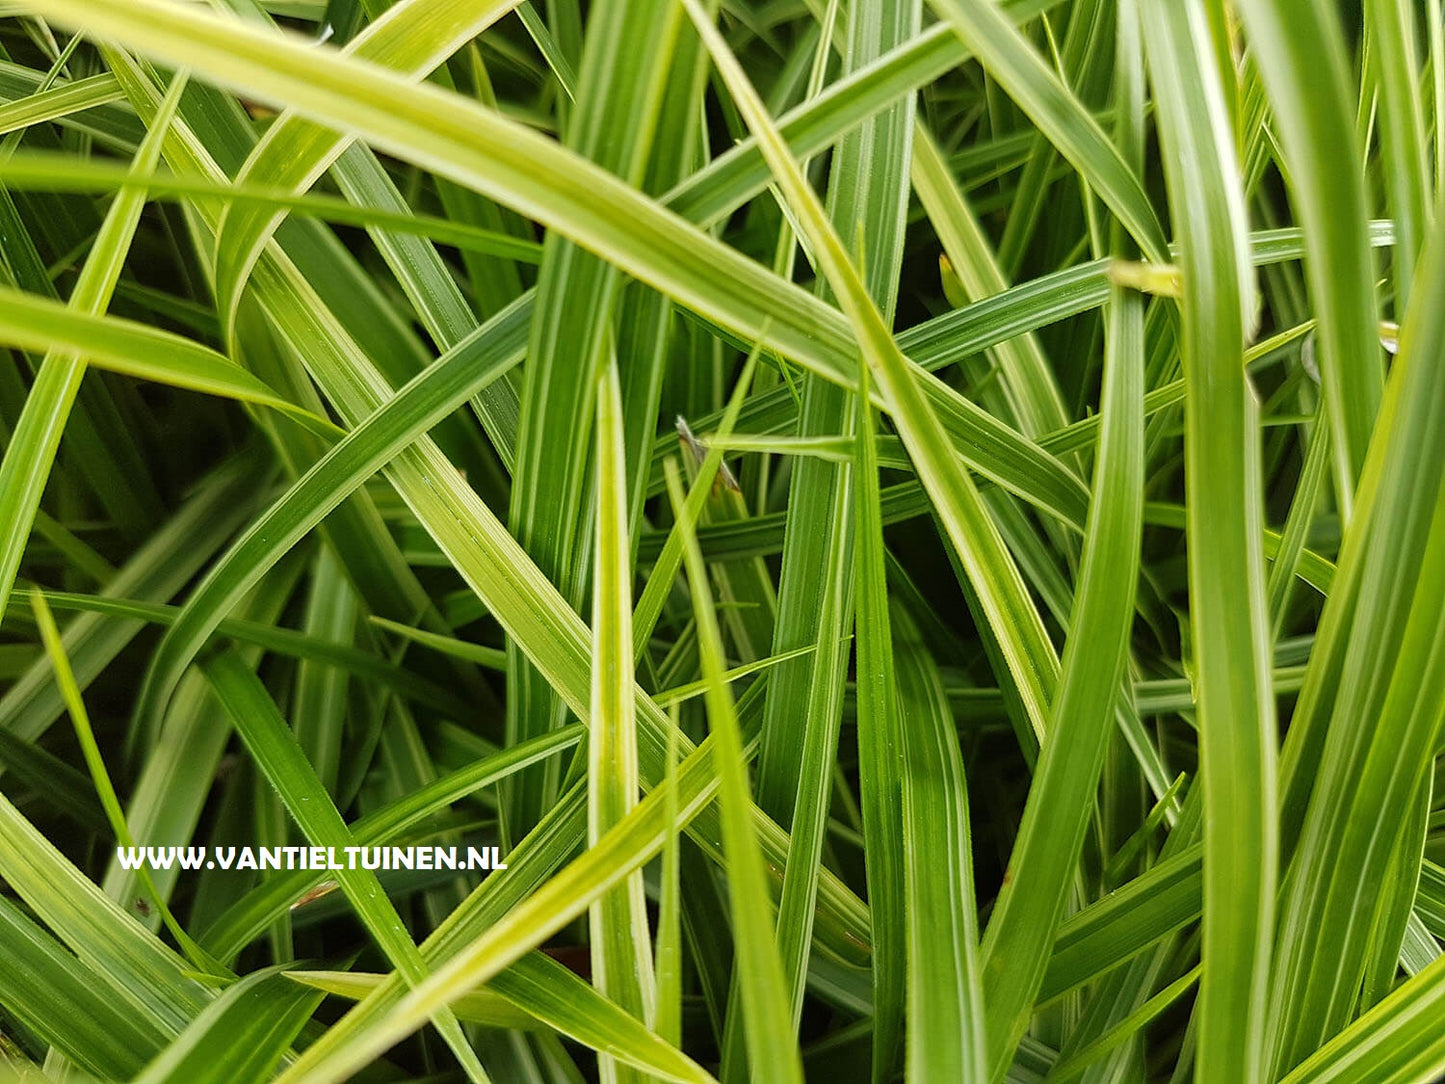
[952, 285]
[1158, 279]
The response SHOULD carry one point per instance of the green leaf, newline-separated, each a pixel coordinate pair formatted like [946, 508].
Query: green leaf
[484, 1006]
[1226, 577]
[33, 443]
[947, 1033]
[1368, 728]
[1008, 57]
[42, 171]
[881, 771]
[60, 101]
[537, 993]
[414, 36]
[1062, 795]
[35, 323]
[105, 790]
[241, 1035]
[617, 924]
[1398, 1040]
[772, 1049]
[279, 757]
[68, 1005]
[1301, 59]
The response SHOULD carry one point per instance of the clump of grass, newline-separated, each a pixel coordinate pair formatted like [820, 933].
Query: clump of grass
[893, 523]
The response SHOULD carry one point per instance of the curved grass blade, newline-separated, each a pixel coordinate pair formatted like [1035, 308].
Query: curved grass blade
[497, 157]
[1397, 1042]
[1378, 736]
[1062, 796]
[412, 37]
[63, 1002]
[881, 772]
[100, 777]
[1159, 901]
[537, 993]
[1300, 55]
[667, 949]
[947, 1036]
[239, 1037]
[279, 757]
[58, 102]
[299, 645]
[1226, 588]
[1125, 1029]
[1028, 381]
[493, 658]
[484, 1006]
[1008, 609]
[43, 171]
[1042, 95]
[32, 446]
[123, 346]
[1396, 71]
[772, 1047]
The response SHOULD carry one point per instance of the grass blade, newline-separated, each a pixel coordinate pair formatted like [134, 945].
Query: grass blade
[413, 36]
[621, 957]
[276, 750]
[1397, 1041]
[975, 538]
[1227, 612]
[772, 1050]
[1058, 114]
[36, 437]
[1301, 59]
[1062, 795]
[947, 1036]
[241, 1035]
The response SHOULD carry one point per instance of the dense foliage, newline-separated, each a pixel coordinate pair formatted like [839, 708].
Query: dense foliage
[914, 530]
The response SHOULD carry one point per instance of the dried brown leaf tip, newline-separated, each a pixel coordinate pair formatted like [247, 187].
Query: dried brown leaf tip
[325, 888]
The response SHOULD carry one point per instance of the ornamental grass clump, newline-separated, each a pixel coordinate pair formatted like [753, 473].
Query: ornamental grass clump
[656, 540]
